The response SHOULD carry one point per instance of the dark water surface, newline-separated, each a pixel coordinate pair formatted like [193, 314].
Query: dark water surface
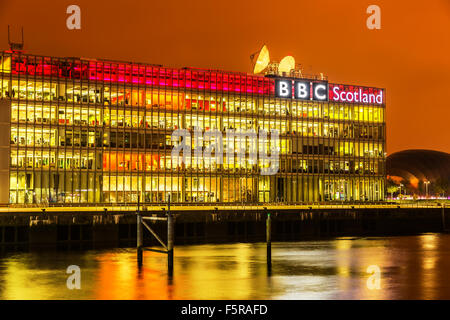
[412, 267]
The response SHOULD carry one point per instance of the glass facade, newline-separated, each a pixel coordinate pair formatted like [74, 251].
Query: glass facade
[98, 132]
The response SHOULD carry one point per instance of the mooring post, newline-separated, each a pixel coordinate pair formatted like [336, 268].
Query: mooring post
[139, 239]
[170, 239]
[443, 217]
[139, 231]
[268, 239]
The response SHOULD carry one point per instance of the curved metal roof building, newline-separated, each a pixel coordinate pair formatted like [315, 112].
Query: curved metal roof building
[419, 164]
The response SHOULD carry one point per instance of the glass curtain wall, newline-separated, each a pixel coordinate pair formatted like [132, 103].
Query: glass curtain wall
[98, 132]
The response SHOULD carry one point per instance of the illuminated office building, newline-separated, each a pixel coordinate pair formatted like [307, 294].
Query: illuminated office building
[82, 131]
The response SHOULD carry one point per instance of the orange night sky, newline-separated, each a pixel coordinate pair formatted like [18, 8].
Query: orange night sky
[409, 56]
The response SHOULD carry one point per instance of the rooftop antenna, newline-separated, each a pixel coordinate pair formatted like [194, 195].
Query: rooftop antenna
[15, 46]
[260, 60]
[287, 64]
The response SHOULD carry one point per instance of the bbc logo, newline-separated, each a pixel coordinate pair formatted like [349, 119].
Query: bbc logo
[301, 89]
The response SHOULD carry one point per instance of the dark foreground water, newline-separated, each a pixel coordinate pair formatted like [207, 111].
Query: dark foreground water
[412, 267]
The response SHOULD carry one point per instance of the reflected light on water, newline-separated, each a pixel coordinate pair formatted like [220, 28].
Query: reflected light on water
[428, 241]
[412, 267]
[343, 261]
[429, 258]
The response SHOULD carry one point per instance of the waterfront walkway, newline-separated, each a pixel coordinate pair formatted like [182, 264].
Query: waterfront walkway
[126, 208]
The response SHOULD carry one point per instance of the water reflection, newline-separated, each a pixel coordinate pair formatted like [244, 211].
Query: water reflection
[428, 263]
[412, 267]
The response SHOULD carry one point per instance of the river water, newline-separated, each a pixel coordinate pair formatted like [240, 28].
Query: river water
[411, 267]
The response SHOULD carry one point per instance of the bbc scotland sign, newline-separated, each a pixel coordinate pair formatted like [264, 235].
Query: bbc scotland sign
[301, 89]
[323, 91]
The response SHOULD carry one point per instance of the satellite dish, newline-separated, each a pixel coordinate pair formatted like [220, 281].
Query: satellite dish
[262, 60]
[286, 64]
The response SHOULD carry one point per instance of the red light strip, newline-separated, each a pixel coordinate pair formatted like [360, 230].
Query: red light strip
[146, 75]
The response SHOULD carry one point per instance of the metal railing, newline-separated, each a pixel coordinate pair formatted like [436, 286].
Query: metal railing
[189, 206]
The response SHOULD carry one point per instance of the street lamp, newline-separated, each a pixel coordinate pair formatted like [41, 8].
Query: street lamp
[401, 185]
[426, 187]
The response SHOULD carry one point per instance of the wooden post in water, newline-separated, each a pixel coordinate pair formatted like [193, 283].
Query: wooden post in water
[139, 239]
[170, 239]
[443, 217]
[139, 231]
[269, 239]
